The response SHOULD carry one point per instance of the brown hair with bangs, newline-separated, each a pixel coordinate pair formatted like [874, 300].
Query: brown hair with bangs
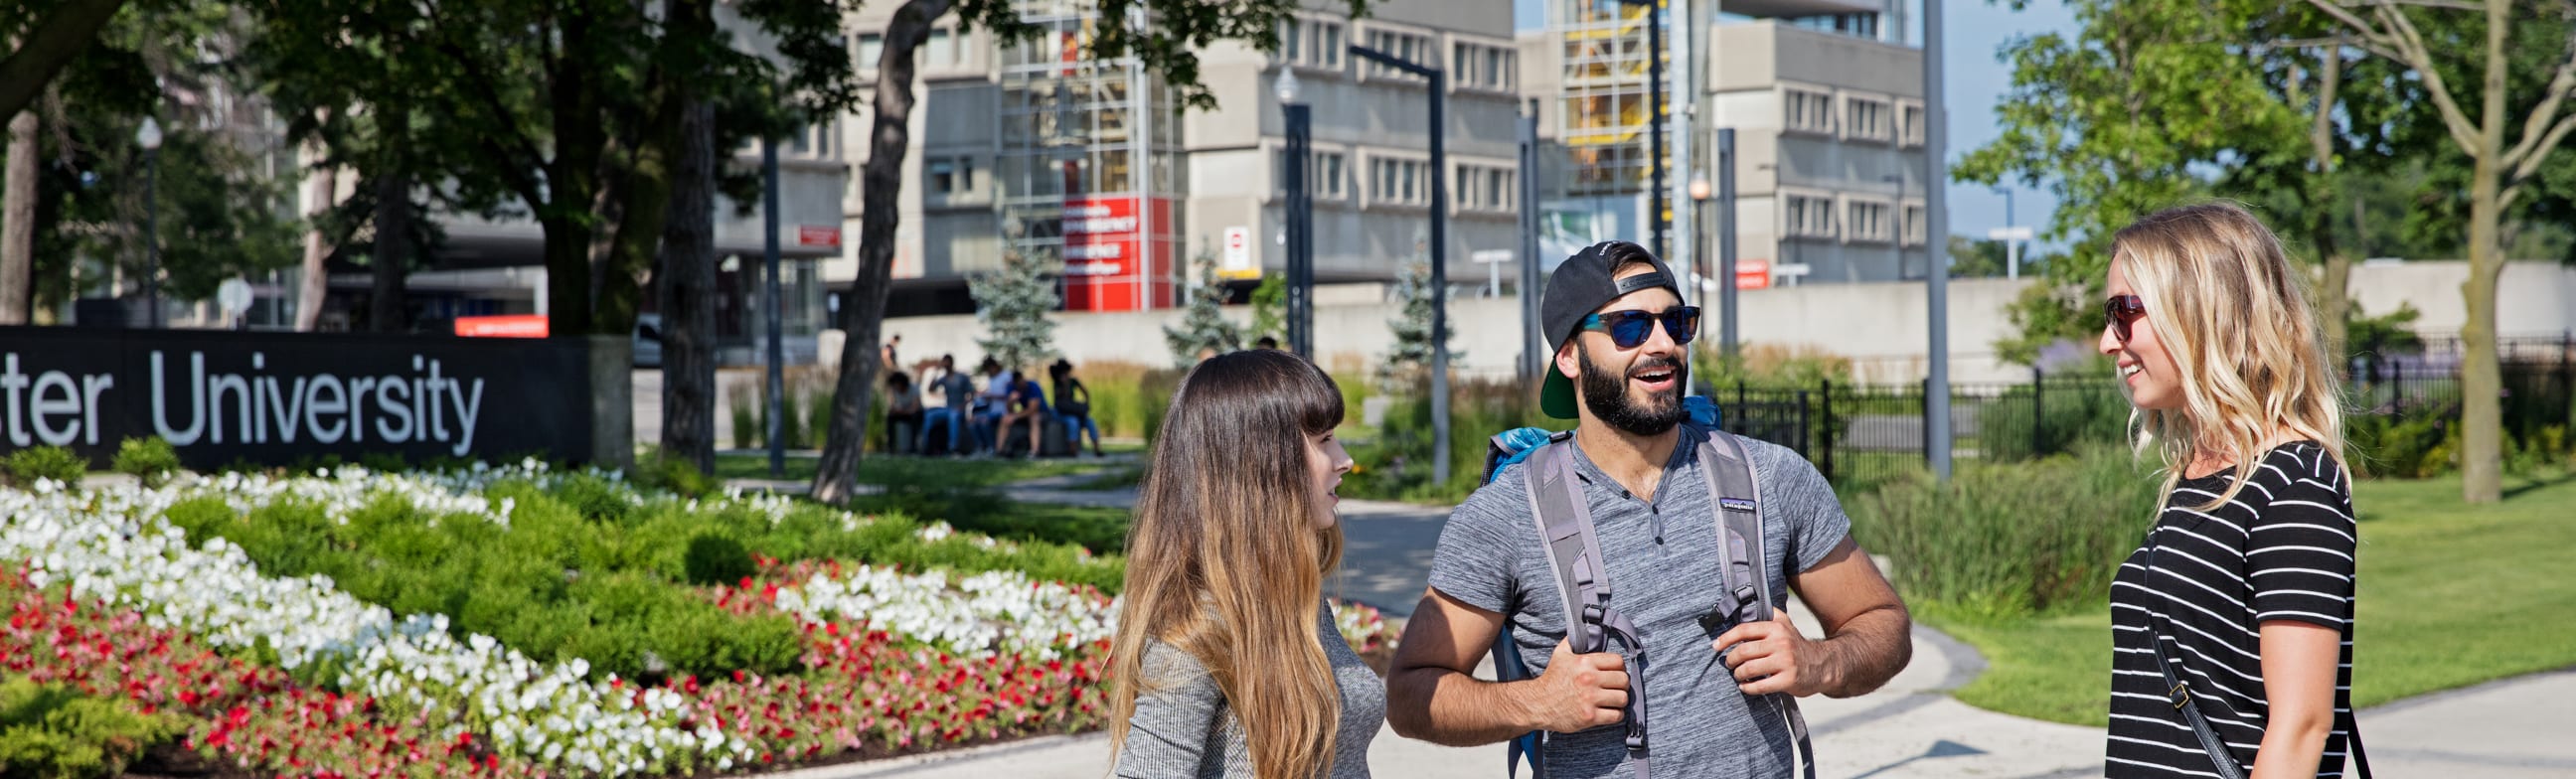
[1224, 561]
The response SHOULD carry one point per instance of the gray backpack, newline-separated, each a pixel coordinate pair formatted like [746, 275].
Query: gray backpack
[1593, 620]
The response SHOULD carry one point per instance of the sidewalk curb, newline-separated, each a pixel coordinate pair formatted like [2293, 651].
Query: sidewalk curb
[896, 766]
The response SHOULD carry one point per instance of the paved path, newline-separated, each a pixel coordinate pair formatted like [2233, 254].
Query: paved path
[2509, 729]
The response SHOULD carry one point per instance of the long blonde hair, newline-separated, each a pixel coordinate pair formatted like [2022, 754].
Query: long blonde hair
[2224, 300]
[1225, 562]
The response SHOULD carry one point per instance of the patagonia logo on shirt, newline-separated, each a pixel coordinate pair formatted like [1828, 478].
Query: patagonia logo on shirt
[1736, 504]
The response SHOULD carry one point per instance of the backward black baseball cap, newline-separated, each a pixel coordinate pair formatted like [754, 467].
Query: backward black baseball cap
[1580, 286]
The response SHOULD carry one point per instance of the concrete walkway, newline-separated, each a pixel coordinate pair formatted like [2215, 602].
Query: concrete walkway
[2509, 729]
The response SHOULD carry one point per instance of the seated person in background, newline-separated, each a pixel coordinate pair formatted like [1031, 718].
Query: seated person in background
[991, 405]
[1073, 405]
[903, 409]
[1029, 403]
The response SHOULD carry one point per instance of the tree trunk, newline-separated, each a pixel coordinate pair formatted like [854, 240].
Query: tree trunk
[2481, 381]
[686, 281]
[322, 188]
[572, 182]
[18, 222]
[863, 315]
[392, 260]
[2335, 280]
[688, 300]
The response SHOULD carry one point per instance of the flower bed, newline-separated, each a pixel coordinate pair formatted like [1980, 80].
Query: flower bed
[313, 619]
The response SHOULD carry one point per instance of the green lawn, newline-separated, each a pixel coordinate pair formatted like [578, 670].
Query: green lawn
[967, 494]
[2451, 595]
[925, 472]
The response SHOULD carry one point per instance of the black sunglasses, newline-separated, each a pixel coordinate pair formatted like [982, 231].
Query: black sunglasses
[1630, 329]
[2123, 311]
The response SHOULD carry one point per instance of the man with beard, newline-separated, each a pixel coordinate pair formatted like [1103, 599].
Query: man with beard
[1715, 685]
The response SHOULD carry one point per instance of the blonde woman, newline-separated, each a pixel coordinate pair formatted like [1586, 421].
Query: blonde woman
[2232, 624]
[1226, 662]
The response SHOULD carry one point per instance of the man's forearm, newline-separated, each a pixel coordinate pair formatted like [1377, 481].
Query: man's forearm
[1867, 651]
[1446, 707]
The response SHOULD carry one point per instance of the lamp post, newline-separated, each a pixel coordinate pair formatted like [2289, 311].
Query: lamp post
[1700, 190]
[1299, 215]
[1726, 292]
[1655, 118]
[1898, 216]
[2012, 240]
[1532, 345]
[769, 204]
[150, 138]
[1439, 91]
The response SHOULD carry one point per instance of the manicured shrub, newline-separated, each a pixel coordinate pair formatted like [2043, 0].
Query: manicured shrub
[150, 459]
[25, 466]
[52, 731]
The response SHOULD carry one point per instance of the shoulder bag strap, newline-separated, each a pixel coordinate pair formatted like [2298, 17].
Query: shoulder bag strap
[2179, 693]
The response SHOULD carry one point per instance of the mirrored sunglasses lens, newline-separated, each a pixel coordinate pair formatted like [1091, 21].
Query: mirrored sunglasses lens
[1629, 329]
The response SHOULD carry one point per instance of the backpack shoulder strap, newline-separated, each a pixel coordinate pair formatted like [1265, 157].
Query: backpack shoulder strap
[1737, 497]
[1737, 500]
[1564, 523]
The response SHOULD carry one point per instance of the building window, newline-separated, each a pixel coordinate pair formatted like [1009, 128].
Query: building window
[871, 47]
[1327, 174]
[1909, 123]
[1332, 176]
[1914, 225]
[1313, 43]
[1484, 188]
[1399, 182]
[1405, 46]
[951, 175]
[1868, 222]
[1810, 111]
[1482, 66]
[1810, 217]
[1867, 119]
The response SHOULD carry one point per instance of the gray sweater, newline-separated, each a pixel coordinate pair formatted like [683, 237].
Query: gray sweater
[1182, 726]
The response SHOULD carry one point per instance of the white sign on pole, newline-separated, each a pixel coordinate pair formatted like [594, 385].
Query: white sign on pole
[2009, 234]
[1490, 256]
[1237, 260]
[234, 295]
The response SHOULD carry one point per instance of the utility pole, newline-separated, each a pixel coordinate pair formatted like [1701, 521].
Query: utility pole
[777, 353]
[1533, 344]
[1936, 232]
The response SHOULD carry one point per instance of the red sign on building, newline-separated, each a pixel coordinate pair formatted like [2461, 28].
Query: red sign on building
[1116, 259]
[818, 235]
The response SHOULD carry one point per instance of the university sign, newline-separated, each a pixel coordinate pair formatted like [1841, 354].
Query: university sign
[276, 398]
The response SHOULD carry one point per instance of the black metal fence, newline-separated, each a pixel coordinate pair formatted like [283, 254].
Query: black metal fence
[1860, 436]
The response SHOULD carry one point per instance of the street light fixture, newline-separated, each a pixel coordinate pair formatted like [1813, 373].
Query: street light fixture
[150, 138]
[1439, 92]
[1299, 214]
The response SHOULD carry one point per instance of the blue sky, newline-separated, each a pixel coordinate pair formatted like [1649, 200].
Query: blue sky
[1976, 81]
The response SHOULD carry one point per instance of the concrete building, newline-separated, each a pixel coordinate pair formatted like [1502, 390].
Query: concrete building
[1826, 103]
[1034, 147]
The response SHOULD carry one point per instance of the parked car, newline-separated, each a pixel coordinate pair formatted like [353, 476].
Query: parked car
[648, 340]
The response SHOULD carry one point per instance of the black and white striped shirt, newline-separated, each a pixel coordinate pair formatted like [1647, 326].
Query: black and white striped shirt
[2282, 549]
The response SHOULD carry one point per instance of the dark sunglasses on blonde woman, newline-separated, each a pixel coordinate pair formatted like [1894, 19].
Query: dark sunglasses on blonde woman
[2123, 311]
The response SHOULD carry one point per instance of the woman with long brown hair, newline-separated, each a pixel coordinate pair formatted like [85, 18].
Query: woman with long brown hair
[1226, 662]
[2232, 625]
